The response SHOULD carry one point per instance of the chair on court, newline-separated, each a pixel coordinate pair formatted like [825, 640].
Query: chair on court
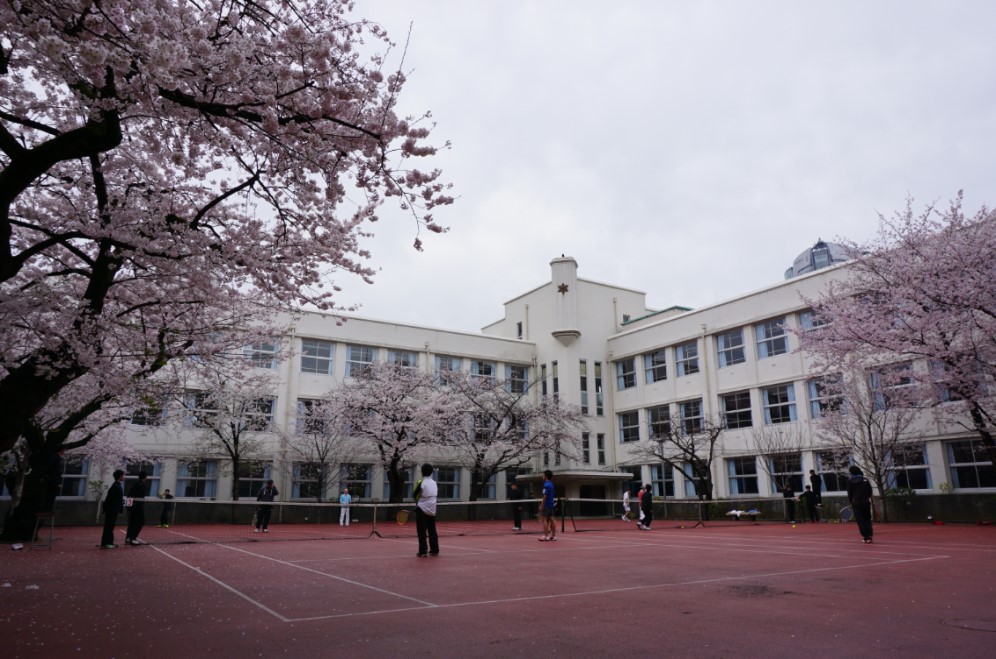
[49, 520]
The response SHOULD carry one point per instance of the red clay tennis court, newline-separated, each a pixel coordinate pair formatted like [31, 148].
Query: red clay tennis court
[718, 591]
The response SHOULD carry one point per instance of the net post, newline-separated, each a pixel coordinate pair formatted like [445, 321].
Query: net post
[373, 531]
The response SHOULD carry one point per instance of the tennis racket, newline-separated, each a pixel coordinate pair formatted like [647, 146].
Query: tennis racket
[403, 516]
[630, 515]
[846, 514]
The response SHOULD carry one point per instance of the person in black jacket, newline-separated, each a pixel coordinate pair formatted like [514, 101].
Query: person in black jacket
[808, 499]
[647, 506]
[263, 512]
[136, 512]
[789, 495]
[113, 506]
[515, 496]
[816, 481]
[859, 494]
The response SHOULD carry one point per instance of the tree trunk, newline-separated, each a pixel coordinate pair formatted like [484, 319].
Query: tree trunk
[19, 522]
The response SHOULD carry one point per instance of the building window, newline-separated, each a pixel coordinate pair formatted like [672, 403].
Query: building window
[197, 479]
[600, 447]
[655, 366]
[736, 410]
[785, 468]
[357, 477]
[252, 478]
[410, 480]
[74, 474]
[629, 426]
[586, 448]
[824, 396]
[742, 475]
[970, 465]
[690, 413]
[448, 480]
[662, 479]
[151, 470]
[625, 373]
[446, 365]
[151, 415]
[686, 358]
[543, 390]
[261, 355]
[808, 320]
[308, 481]
[893, 386]
[359, 359]
[518, 378]
[201, 407]
[316, 356]
[599, 401]
[730, 347]
[583, 368]
[404, 358]
[771, 338]
[779, 404]
[259, 414]
[518, 330]
[659, 422]
[832, 467]
[910, 468]
[483, 369]
[555, 375]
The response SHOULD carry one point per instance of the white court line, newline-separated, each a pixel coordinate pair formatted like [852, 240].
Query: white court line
[224, 585]
[589, 593]
[424, 605]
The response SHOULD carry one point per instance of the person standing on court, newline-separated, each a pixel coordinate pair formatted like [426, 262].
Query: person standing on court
[789, 495]
[817, 483]
[808, 499]
[425, 494]
[859, 495]
[647, 508]
[136, 511]
[515, 496]
[639, 502]
[546, 508]
[625, 515]
[167, 508]
[344, 501]
[264, 511]
[113, 506]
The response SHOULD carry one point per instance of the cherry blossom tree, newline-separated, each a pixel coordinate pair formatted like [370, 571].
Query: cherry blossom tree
[169, 168]
[923, 289]
[504, 427]
[397, 413]
[868, 418]
[232, 413]
[319, 442]
[85, 421]
[686, 445]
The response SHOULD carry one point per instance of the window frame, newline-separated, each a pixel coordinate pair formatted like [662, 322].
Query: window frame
[312, 359]
[728, 351]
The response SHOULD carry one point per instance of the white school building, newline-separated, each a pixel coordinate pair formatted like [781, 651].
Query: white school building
[596, 346]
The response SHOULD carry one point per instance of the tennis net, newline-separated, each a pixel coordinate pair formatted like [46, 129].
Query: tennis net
[186, 521]
[601, 515]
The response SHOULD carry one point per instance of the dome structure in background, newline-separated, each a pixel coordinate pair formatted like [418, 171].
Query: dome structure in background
[820, 255]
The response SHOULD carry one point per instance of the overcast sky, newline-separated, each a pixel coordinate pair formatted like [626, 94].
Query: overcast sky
[687, 149]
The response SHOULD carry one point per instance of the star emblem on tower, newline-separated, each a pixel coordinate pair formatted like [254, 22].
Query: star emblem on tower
[562, 289]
